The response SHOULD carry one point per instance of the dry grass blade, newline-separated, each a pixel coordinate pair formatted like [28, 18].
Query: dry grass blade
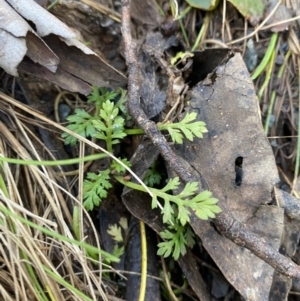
[103, 9]
[36, 266]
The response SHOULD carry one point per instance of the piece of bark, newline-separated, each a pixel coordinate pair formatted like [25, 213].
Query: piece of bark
[89, 68]
[18, 39]
[60, 77]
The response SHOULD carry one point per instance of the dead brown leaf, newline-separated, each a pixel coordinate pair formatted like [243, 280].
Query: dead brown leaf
[146, 12]
[18, 40]
[236, 163]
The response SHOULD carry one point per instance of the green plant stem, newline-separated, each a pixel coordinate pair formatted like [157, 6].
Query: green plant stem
[268, 76]
[87, 247]
[269, 113]
[184, 12]
[273, 94]
[161, 127]
[76, 222]
[51, 296]
[2, 182]
[108, 141]
[52, 4]
[64, 283]
[133, 185]
[76, 229]
[157, 192]
[283, 66]
[54, 162]
[297, 163]
[265, 60]
[142, 292]
[184, 34]
[161, 11]
[202, 30]
[174, 12]
[33, 277]
[134, 132]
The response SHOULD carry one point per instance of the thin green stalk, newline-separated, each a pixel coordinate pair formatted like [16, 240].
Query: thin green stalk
[143, 285]
[66, 284]
[51, 296]
[33, 278]
[2, 182]
[271, 48]
[184, 12]
[268, 76]
[174, 9]
[52, 4]
[134, 132]
[161, 127]
[283, 66]
[297, 163]
[76, 222]
[86, 246]
[132, 185]
[54, 162]
[97, 110]
[269, 113]
[76, 230]
[184, 34]
[202, 30]
[108, 141]
[273, 94]
[157, 192]
[160, 10]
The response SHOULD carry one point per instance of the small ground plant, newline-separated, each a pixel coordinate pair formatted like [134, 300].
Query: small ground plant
[108, 124]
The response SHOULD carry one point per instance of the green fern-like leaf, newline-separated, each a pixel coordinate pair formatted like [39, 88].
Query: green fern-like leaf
[174, 242]
[173, 184]
[110, 126]
[117, 168]
[95, 189]
[189, 190]
[206, 211]
[187, 128]
[183, 215]
[167, 211]
[152, 176]
[204, 205]
[176, 135]
[118, 251]
[115, 232]
[81, 123]
[100, 95]
[176, 210]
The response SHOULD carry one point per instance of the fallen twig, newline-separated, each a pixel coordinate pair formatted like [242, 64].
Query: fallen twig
[134, 107]
[229, 227]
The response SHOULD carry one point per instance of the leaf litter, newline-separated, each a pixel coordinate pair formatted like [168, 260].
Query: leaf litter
[234, 125]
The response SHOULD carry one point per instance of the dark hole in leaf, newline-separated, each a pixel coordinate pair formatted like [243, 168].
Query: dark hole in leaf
[238, 171]
[33, 26]
[204, 63]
